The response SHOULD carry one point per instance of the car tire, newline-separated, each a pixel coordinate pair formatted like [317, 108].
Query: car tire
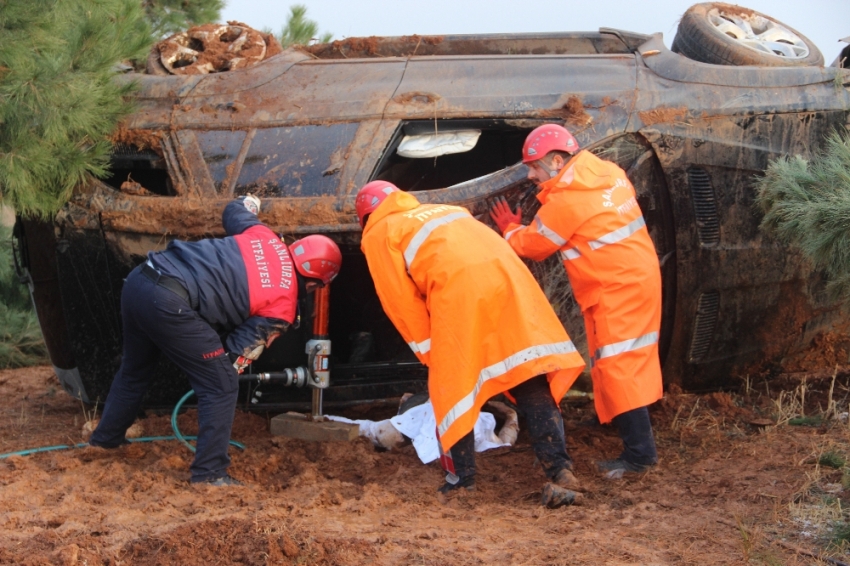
[723, 34]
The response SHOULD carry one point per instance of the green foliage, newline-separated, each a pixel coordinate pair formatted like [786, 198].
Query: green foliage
[806, 421]
[20, 337]
[832, 459]
[168, 17]
[807, 204]
[13, 293]
[840, 534]
[299, 30]
[21, 343]
[58, 99]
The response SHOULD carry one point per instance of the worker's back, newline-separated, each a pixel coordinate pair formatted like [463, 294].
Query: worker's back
[440, 241]
[249, 273]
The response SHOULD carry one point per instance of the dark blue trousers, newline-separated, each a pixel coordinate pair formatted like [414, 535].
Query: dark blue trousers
[156, 320]
[545, 427]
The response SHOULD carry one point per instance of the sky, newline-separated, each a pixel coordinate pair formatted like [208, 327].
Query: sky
[824, 22]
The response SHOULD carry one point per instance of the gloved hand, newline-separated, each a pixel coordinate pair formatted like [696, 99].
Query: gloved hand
[502, 215]
[252, 203]
[241, 362]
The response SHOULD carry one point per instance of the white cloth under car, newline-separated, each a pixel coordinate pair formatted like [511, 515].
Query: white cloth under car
[420, 425]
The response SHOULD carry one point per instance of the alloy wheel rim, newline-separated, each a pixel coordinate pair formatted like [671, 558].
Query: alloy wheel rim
[759, 34]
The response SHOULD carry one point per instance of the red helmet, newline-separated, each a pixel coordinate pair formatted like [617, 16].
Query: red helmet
[546, 138]
[370, 196]
[317, 257]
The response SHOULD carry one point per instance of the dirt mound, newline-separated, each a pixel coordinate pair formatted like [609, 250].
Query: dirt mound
[242, 542]
[826, 351]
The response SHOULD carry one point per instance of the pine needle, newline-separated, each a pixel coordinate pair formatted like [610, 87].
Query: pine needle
[299, 30]
[59, 100]
[21, 343]
[807, 205]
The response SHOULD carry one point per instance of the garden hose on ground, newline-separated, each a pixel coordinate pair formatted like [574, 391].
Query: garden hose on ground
[176, 429]
[177, 436]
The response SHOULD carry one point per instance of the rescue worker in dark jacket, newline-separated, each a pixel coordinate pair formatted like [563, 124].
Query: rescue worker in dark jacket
[211, 307]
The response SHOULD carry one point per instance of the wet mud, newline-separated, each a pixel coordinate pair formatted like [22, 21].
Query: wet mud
[346, 503]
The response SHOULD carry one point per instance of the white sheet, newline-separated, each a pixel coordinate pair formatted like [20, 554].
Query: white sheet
[420, 425]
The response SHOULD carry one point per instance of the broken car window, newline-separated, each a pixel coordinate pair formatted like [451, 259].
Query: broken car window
[420, 158]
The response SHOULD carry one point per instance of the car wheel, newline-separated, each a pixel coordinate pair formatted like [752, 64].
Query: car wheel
[211, 48]
[723, 34]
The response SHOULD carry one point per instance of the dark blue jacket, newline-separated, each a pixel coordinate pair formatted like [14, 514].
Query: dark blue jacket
[214, 274]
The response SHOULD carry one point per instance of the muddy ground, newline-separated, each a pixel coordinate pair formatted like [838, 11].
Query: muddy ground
[737, 484]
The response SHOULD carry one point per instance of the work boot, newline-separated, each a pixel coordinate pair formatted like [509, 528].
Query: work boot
[555, 496]
[567, 479]
[617, 468]
[467, 483]
[223, 481]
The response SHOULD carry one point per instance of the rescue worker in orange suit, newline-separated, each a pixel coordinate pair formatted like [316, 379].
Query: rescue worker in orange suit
[591, 217]
[472, 312]
[211, 307]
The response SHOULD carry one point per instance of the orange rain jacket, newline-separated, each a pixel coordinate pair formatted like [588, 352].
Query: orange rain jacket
[590, 213]
[466, 305]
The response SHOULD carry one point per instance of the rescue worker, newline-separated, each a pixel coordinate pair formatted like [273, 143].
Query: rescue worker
[211, 307]
[590, 215]
[472, 312]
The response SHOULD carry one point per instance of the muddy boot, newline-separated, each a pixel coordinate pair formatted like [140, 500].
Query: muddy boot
[555, 496]
[462, 456]
[616, 469]
[467, 484]
[223, 481]
[565, 478]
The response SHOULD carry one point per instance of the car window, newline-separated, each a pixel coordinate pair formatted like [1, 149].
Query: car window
[220, 148]
[295, 161]
[133, 170]
[497, 145]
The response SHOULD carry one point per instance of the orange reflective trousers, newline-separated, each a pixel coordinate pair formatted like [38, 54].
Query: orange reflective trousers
[466, 305]
[590, 215]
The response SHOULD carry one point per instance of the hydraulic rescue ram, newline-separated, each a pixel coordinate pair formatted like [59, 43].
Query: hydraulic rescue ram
[320, 346]
[317, 375]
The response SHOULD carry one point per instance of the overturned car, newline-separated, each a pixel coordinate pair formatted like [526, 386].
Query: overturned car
[445, 117]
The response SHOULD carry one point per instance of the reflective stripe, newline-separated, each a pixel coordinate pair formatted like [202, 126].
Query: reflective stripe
[548, 233]
[499, 369]
[422, 347]
[626, 346]
[511, 233]
[425, 231]
[618, 234]
[570, 254]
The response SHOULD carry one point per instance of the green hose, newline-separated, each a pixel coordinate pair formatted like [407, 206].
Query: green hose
[177, 436]
[174, 426]
[176, 429]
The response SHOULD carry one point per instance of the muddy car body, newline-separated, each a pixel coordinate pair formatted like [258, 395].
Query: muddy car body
[306, 128]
